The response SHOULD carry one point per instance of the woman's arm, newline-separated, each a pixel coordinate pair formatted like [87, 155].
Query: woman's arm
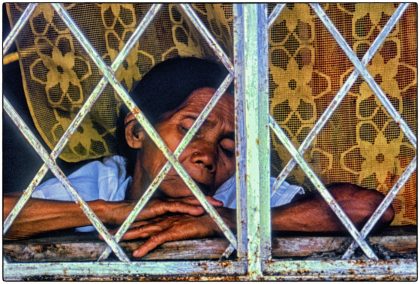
[39, 216]
[314, 214]
[311, 214]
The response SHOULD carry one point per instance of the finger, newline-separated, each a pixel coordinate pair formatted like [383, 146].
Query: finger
[142, 232]
[149, 229]
[154, 242]
[132, 226]
[194, 201]
[178, 207]
[143, 223]
[187, 228]
[158, 208]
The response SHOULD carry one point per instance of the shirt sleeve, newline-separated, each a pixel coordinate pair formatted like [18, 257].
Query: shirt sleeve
[104, 180]
[283, 195]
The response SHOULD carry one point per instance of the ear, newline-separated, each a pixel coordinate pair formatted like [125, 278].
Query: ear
[134, 134]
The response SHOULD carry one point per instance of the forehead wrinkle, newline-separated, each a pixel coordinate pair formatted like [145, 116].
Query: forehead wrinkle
[196, 102]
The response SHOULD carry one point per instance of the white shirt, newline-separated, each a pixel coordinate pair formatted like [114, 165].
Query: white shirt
[108, 180]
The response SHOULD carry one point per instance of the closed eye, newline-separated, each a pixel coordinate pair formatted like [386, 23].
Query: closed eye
[185, 125]
[228, 147]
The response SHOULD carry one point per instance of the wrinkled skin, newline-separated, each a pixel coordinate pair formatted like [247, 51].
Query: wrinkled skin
[209, 158]
[39, 216]
[306, 215]
[214, 164]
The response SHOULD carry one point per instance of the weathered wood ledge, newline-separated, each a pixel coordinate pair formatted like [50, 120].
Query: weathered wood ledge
[89, 248]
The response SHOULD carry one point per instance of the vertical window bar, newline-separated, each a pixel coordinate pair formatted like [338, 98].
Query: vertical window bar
[7, 43]
[207, 36]
[263, 141]
[340, 95]
[240, 132]
[365, 73]
[383, 206]
[275, 13]
[322, 190]
[154, 136]
[165, 169]
[23, 128]
[254, 69]
[81, 115]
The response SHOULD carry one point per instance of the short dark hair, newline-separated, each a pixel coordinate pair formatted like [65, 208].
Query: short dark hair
[164, 88]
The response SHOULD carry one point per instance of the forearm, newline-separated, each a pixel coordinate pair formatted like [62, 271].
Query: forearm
[39, 216]
[314, 214]
[305, 216]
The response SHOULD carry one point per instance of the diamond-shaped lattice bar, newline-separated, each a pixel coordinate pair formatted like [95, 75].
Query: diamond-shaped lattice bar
[165, 169]
[383, 206]
[341, 94]
[7, 43]
[80, 116]
[207, 36]
[365, 73]
[322, 190]
[275, 13]
[23, 128]
[154, 136]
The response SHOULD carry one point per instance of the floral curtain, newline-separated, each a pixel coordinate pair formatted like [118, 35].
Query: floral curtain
[360, 144]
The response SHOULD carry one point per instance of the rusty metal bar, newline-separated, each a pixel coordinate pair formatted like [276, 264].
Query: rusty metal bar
[207, 36]
[40, 150]
[251, 64]
[165, 169]
[275, 13]
[322, 270]
[117, 269]
[7, 43]
[365, 73]
[263, 140]
[240, 132]
[322, 190]
[144, 122]
[285, 270]
[81, 115]
[326, 115]
[383, 206]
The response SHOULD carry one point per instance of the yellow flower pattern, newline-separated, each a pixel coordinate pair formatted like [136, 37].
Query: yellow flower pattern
[380, 158]
[374, 11]
[60, 70]
[293, 84]
[385, 74]
[128, 71]
[294, 13]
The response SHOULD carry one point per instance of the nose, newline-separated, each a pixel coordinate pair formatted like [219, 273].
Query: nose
[204, 156]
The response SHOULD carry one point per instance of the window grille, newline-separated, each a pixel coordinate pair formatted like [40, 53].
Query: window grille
[253, 124]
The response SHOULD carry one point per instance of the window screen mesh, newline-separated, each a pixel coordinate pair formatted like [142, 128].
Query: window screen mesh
[360, 144]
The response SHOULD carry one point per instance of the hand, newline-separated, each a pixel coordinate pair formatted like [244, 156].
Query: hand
[187, 205]
[157, 207]
[170, 228]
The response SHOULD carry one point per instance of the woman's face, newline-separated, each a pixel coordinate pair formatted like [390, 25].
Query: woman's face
[209, 158]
